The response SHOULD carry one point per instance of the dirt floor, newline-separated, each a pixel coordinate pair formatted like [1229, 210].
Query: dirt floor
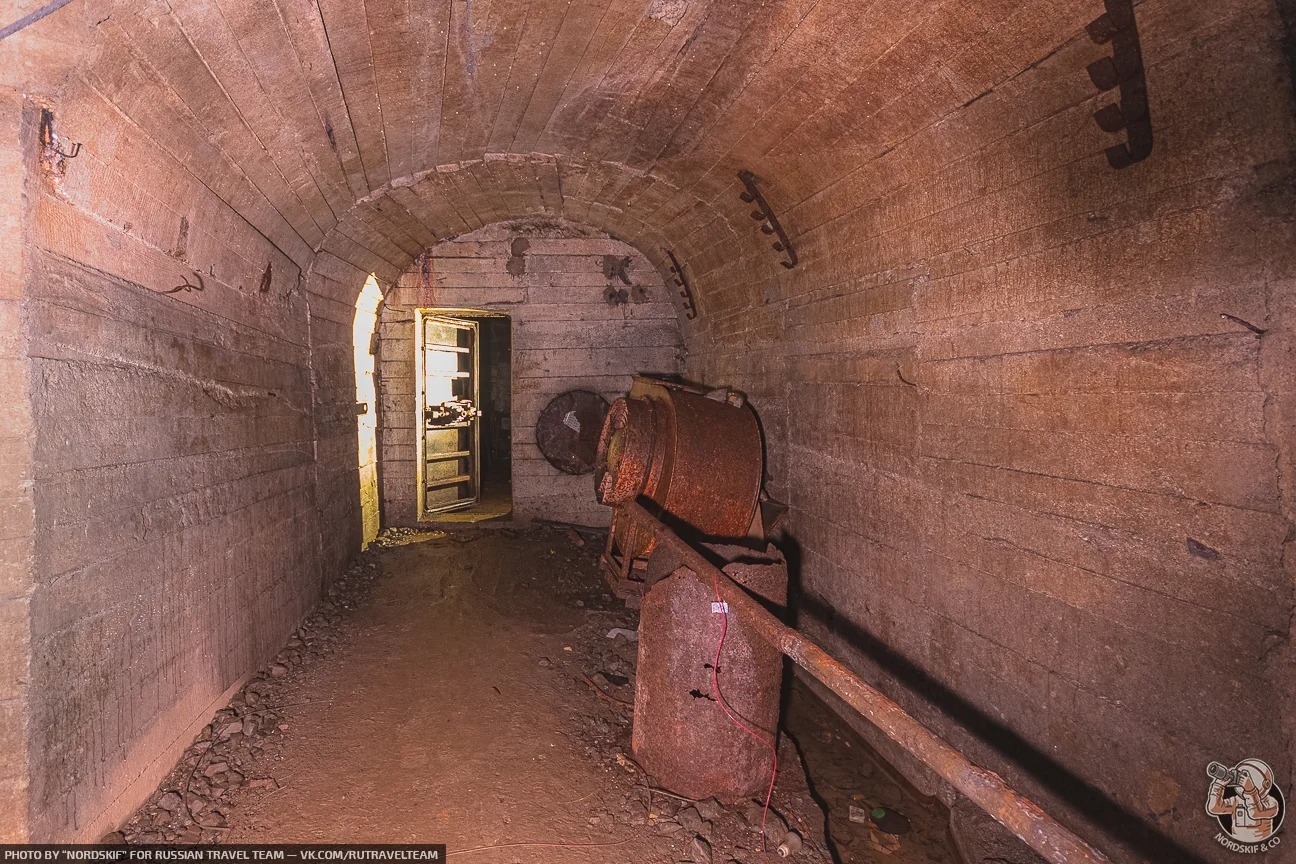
[849, 780]
[462, 688]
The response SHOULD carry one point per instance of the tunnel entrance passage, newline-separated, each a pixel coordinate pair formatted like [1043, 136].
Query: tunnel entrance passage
[463, 408]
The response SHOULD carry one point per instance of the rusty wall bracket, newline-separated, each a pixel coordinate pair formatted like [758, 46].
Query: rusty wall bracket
[187, 286]
[53, 157]
[267, 278]
[1123, 69]
[770, 223]
[50, 142]
[681, 282]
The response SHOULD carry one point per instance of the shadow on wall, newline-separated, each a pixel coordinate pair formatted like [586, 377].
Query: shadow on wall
[1126, 828]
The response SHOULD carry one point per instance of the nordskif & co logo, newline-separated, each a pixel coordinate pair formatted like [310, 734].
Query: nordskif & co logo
[1247, 805]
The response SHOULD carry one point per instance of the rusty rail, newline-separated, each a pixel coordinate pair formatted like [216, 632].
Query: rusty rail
[984, 788]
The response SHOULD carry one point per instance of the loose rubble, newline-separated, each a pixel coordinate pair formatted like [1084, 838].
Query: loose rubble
[851, 780]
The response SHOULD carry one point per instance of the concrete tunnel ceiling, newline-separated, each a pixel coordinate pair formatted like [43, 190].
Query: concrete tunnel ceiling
[1031, 410]
[331, 115]
[384, 232]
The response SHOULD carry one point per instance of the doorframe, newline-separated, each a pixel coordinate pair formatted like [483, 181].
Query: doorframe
[421, 314]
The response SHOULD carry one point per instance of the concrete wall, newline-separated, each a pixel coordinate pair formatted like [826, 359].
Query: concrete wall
[176, 534]
[17, 510]
[548, 276]
[1041, 486]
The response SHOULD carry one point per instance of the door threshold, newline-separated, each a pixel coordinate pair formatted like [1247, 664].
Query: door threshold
[480, 512]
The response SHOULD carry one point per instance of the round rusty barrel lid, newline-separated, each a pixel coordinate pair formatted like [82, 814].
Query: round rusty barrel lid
[625, 449]
[568, 430]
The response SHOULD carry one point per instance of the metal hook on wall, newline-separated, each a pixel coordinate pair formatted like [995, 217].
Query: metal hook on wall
[186, 286]
[50, 142]
[770, 223]
[1123, 69]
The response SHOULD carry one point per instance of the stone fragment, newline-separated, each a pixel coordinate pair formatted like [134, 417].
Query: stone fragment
[709, 809]
[885, 844]
[636, 813]
[690, 819]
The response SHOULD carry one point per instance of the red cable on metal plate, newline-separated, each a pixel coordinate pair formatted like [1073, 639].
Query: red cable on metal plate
[715, 684]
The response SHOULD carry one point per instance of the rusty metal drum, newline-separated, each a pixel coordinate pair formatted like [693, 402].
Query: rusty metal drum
[567, 431]
[681, 735]
[699, 459]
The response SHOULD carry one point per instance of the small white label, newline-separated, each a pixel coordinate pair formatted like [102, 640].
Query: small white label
[718, 606]
[572, 422]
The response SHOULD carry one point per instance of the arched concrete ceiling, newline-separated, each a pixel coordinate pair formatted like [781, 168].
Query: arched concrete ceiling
[384, 232]
[312, 118]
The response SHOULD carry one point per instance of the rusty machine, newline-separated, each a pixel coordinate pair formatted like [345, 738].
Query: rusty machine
[682, 467]
[694, 456]
[705, 719]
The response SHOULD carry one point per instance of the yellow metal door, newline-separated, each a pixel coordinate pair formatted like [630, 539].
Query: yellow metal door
[450, 471]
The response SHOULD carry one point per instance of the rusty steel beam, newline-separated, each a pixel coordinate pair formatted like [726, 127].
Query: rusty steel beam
[987, 790]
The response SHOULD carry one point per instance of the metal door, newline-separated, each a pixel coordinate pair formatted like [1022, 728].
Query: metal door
[450, 474]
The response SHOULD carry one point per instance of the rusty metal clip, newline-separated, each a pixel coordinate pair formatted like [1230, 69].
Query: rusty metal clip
[201, 286]
[53, 157]
[769, 222]
[681, 282]
[1123, 69]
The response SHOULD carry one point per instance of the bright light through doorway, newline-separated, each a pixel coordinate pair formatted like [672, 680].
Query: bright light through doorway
[366, 319]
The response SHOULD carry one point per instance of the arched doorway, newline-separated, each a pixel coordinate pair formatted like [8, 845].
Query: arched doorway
[364, 342]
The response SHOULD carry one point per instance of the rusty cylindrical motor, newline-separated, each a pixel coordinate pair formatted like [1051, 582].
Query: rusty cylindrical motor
[681, 734]
[698, 459]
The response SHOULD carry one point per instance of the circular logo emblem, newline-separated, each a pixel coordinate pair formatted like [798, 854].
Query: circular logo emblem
[1247, 805]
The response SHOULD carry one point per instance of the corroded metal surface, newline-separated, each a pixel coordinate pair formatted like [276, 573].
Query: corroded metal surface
[696, 458]
[711, 477]
[625, 448]
[984, 788]
[567, 431]
[681, 735]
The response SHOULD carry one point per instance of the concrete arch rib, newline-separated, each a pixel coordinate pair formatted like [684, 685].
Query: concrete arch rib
[384, 232]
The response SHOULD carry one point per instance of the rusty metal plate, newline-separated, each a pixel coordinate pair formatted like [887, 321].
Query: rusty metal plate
[681, 734]
[568, 430]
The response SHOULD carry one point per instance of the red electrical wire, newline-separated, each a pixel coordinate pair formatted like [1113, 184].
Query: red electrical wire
[715, 684]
